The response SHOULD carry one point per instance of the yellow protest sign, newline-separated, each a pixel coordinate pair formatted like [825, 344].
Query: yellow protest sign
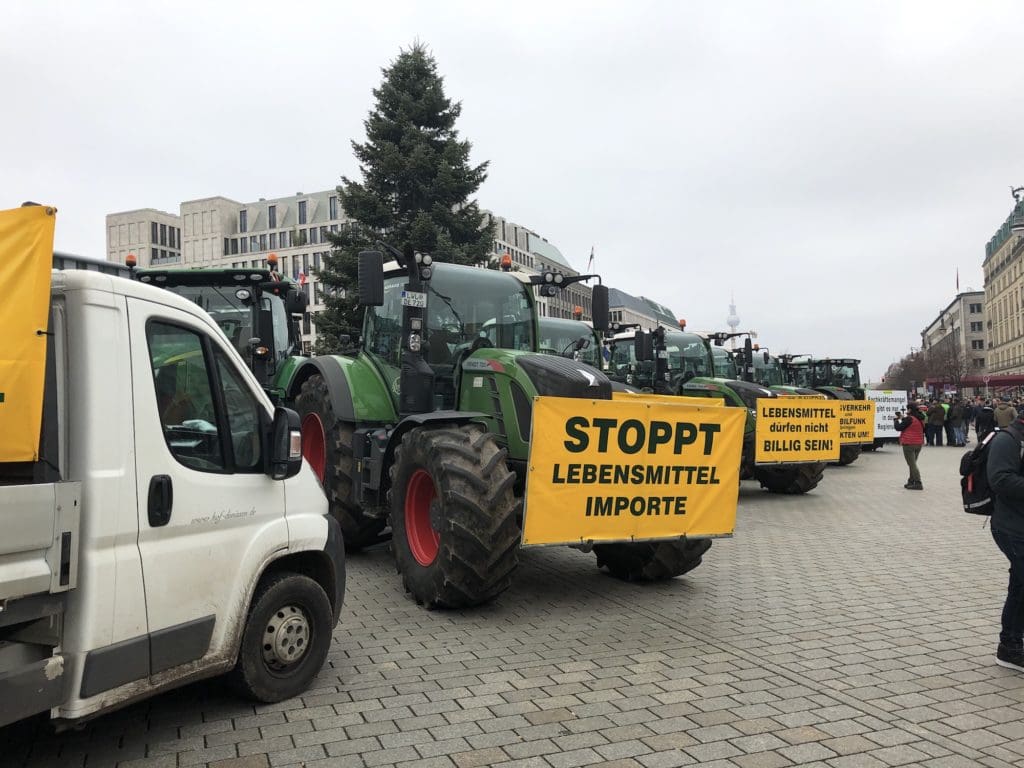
[26, 258]
[796, 430]
[628, 469]
[856, 421]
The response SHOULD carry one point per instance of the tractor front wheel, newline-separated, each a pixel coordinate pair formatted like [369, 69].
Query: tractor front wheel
[790, 479]
[651, 560]
[848, 454]
[453, 516]
[327, 446]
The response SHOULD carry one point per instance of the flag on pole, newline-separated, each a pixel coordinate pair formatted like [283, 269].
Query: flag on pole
[958, 279]
[590, 263]
[302, 277]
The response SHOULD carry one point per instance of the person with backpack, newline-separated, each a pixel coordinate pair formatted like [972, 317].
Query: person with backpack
[911, 429]
[1006, 478]
[984, 421]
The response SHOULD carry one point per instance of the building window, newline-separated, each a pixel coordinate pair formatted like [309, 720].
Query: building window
[163, 234]
[976, 327]
[314, 235]
[245, 244]
[332, 207]
[234, 246]
[243, 221]
[263, 242]
[977, 344]
[153, 232]
[271, 216]
[323, 234]
[975, 309]
[302, 211]
[316, 263]
[227, 247]
[253, 243]
[273, 241]
[284, 240]
[305, 263]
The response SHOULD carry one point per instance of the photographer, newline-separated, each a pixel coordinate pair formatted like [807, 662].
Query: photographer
[911, 429]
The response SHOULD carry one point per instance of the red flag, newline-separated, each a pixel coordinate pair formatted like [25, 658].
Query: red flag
[302, 277]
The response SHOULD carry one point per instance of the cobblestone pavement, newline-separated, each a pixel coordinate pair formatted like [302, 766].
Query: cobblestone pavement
[855, 626]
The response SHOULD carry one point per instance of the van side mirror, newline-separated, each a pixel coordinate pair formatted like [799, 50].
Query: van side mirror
[371, 278]
[285, 459]
[767, 358]
[643, 346]
[599, 307]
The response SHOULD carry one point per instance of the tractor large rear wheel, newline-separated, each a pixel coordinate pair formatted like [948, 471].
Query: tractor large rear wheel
[791, 478]
[651, 560]
[453, 516]
[327, 446]
[848, 454]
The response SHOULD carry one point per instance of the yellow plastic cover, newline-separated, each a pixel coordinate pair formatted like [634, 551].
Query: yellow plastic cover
[26, 257]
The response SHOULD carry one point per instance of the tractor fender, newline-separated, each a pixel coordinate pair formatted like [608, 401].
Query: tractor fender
[420, 419]
[337, 385]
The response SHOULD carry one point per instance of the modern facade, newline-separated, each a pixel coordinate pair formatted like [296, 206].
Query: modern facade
[1004, 297]
[152, 236]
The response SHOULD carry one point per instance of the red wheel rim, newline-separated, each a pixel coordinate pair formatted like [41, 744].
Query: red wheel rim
[423, 539]
[314, 444]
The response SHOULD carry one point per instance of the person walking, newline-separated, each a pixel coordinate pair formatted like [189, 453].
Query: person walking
[936, 418]
[911, 429]
[1006, 480]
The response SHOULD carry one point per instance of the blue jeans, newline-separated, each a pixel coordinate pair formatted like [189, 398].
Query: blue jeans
[1012, 546]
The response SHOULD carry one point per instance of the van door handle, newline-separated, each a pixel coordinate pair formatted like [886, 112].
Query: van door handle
[161, 499]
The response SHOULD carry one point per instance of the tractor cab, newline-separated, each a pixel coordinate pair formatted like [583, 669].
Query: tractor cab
[573, 339]
[253, 307]
[839, 372]
[767, 370]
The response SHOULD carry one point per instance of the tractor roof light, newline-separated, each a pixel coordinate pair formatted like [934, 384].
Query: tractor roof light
[506, 263]
[131, 261]
[682, 324]
[272, 260]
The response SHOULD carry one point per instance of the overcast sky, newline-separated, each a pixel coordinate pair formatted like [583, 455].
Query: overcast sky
[832, 165]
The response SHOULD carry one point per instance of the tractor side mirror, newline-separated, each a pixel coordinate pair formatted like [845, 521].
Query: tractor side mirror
[643, 345]
[296, 302]
[599, 307]
[371, 278]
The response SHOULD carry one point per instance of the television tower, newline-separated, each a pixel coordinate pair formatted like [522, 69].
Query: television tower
[733, 320]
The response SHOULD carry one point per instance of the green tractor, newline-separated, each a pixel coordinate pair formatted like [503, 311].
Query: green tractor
[836, 379]
[673, 362]
[573, 339]
[425, 429]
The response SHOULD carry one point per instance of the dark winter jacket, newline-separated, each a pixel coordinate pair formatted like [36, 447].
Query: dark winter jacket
[936, 415]
[911, 429]
[985, 421]
[955, 417]
[1007, 481]
[1005, 414]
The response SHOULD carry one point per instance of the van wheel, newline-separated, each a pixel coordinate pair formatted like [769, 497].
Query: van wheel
[651, 560]
[286, 638]
[327, 446]
[455, 535]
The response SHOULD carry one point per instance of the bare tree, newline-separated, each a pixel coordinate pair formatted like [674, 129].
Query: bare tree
[946, 361]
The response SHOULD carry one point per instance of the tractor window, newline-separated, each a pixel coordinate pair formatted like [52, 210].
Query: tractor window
[464, 304]
[725, 366]
[687, 353]
[184, 396]
[233, 315]
[845, 375]
[569, 338]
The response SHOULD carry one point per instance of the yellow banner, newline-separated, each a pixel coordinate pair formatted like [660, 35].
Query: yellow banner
[796, 430]
[26, 257]
[856, 421]
[615, 470]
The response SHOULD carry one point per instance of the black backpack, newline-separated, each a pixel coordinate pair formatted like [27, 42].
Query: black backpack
[974, 488]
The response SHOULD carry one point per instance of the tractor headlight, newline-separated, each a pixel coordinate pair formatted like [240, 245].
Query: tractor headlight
[415, 342]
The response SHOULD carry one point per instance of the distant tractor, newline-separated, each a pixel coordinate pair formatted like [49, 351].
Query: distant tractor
[673, 362]
[838, 379]
[573, 339]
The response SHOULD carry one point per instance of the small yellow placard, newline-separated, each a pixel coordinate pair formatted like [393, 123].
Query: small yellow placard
[856, 421]
[628, 469]
[796, 430]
